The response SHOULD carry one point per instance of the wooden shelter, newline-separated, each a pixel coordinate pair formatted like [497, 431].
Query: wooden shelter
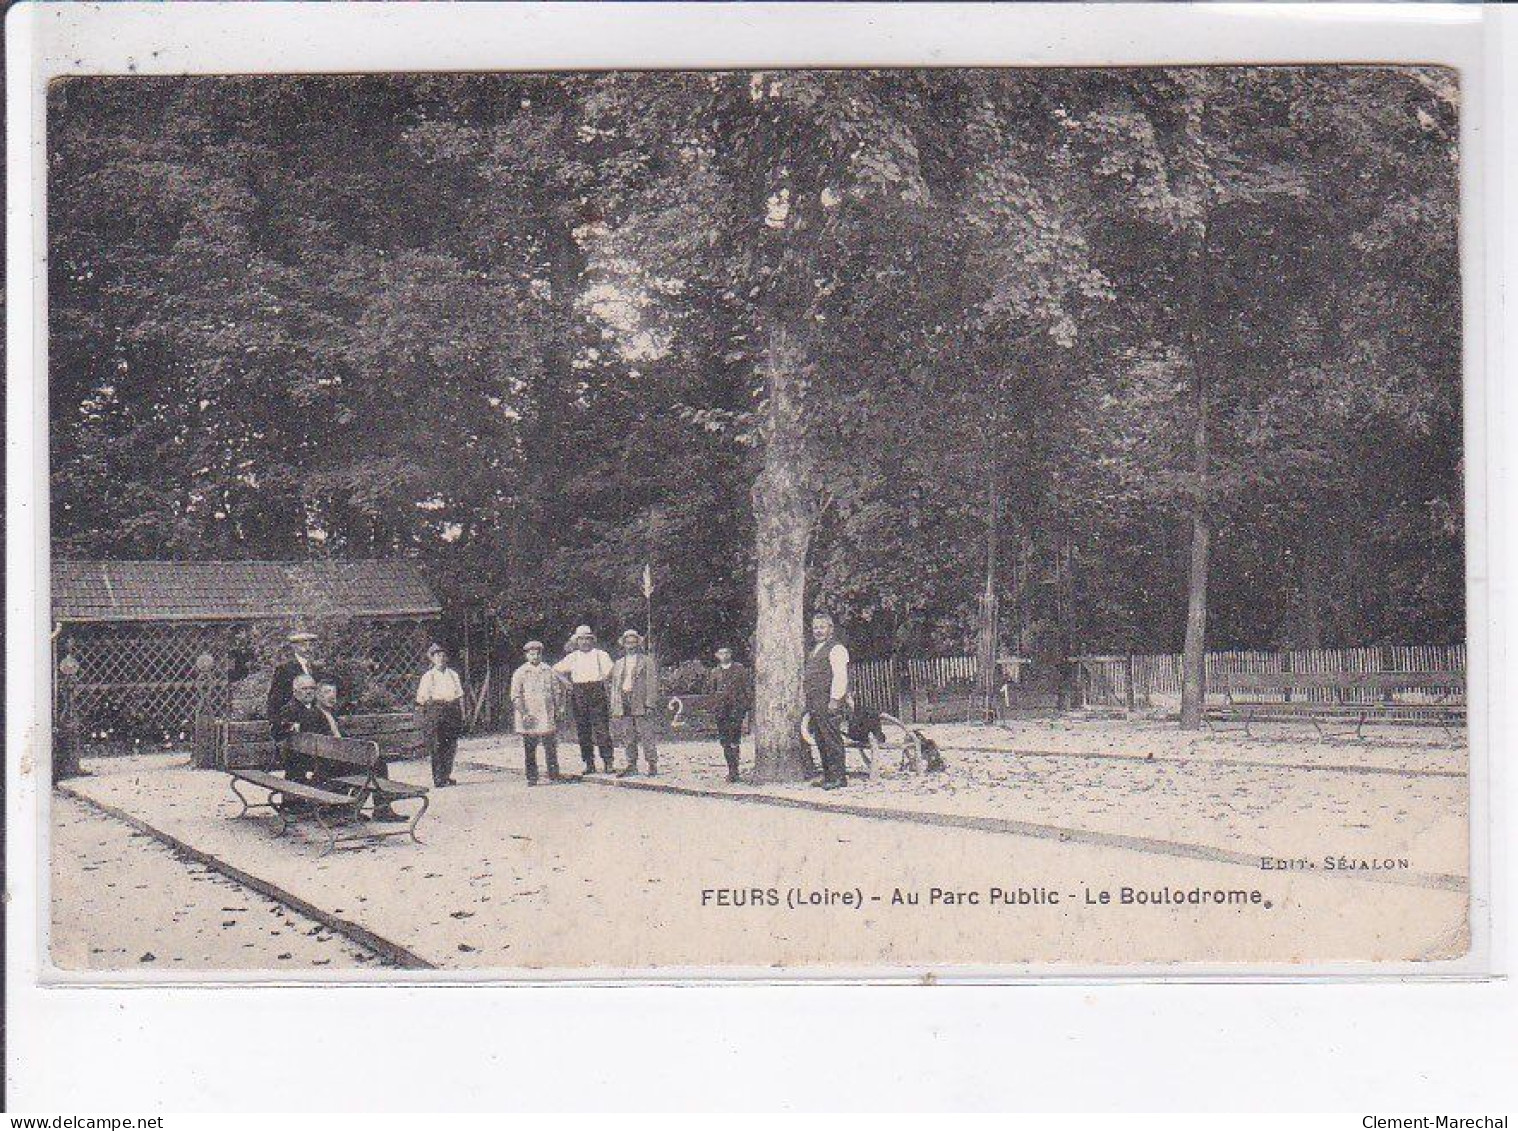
[144, 648]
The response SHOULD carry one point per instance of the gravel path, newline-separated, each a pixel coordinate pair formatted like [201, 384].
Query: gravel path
[121, 900]
[1401, 796]
[592, 879]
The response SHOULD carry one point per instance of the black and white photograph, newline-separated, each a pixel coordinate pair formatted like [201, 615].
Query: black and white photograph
[571, 523]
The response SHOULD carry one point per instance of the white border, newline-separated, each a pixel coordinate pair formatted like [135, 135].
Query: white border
[45, 40]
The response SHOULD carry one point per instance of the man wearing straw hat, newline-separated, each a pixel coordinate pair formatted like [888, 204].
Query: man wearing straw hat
[301, 662]
[634, 697]
[537, 699]
[588, 668]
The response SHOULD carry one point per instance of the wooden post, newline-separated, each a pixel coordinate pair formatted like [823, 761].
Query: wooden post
[66, 738]
[203, 741]
[1129, 698]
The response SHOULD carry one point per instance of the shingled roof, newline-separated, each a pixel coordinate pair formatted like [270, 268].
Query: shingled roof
[212, 591]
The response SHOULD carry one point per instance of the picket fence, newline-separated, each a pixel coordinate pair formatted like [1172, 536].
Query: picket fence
[1155, 680]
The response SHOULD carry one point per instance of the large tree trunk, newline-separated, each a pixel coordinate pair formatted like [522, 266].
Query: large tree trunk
[783, 513]
[1194, 659]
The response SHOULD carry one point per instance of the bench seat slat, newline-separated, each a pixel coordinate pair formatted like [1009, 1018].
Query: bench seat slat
[372, 726]
[292, 788]
[382, 785]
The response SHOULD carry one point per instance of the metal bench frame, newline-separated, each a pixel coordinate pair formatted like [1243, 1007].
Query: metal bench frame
[345, 808]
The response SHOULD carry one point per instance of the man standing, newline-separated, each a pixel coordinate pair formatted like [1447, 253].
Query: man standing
[537, 698]
[300, 662]
[588, 668]
[440, 696]
[634, 695]
[825, 686]
[732, 694]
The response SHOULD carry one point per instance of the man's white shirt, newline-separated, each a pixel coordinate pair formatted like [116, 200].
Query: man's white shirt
[439, 686]
[593, 666]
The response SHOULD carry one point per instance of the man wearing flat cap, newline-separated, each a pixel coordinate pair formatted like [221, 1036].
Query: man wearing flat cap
[588, 669]
[537, 699]
[635, 702]
[301, 661]
[440, 699]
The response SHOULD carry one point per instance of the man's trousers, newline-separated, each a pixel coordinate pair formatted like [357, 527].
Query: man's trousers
[829, 738]
[637, 733]
[730, 733]
[550, 743]
[592, 713]
[442, 724]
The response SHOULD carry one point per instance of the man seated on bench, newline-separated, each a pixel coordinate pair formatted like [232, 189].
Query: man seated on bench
[313, 711]
[297, 716]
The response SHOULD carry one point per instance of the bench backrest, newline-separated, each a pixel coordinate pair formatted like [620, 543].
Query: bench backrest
[362, 753]
[247, 744]
[1380, 681]
[397, 733]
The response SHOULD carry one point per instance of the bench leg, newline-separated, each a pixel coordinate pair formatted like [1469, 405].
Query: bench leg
[321, 819]
[287, 818]
[411, 828]
[246, 804]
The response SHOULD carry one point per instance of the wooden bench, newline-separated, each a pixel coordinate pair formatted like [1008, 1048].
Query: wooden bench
[1324, 696]
[348, 779]
[248, 743]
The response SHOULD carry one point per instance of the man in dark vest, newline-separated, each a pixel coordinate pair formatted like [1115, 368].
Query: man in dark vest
[825, 686]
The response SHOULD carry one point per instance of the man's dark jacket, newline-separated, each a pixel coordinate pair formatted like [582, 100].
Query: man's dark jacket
[282, 685]
[731, 689]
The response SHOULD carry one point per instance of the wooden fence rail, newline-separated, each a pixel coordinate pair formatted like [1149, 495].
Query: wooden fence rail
[1155, 680]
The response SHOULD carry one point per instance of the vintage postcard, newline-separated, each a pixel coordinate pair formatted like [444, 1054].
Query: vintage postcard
[795, 522]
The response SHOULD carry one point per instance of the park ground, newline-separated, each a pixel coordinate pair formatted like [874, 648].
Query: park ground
[677, 871]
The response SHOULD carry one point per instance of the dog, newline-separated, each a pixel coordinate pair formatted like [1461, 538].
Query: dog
[932, 756]
[863, 725]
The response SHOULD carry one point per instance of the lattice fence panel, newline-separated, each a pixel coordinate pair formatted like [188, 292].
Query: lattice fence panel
[139, 683]
[397, 653]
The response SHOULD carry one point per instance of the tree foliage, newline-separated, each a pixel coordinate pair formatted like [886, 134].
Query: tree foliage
[537, 330]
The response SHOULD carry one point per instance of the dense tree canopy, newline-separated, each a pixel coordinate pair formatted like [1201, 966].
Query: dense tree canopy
[536, 331]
